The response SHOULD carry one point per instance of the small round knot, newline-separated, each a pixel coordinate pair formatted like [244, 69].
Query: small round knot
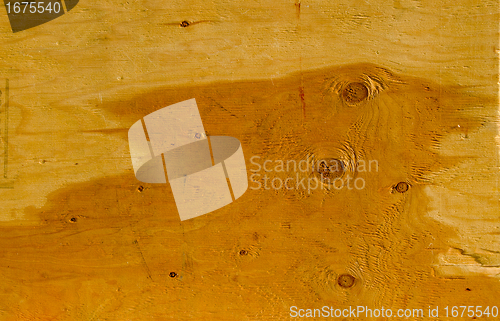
[346, 280]
[355, 92]
[330, 169]
[401, 187]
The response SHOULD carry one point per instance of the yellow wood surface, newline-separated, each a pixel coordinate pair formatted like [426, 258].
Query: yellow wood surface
[82, 239]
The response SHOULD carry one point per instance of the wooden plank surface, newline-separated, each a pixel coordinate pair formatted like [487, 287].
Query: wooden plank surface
[82, 239]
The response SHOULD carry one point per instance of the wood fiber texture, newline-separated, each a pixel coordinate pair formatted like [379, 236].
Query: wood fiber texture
[410, 85]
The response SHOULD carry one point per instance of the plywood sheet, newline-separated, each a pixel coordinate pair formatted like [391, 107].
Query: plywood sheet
[403, 93]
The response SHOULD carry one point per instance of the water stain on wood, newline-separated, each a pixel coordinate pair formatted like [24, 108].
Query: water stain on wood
[305, 238]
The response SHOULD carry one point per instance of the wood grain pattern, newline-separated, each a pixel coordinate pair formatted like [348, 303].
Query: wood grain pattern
[82, 239]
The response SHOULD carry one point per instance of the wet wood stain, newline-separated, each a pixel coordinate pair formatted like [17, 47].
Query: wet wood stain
[114, 248]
